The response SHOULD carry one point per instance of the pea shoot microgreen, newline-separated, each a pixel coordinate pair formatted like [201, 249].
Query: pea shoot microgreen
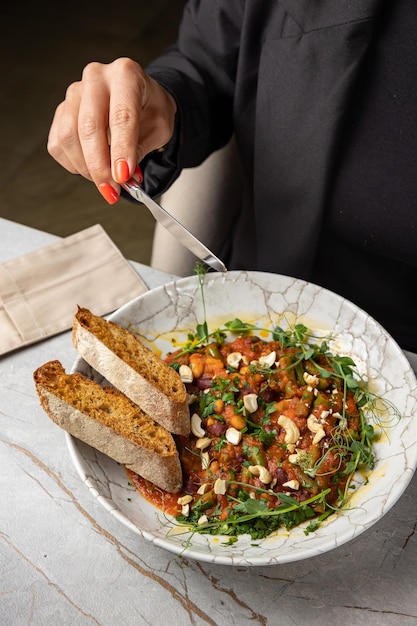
[347, 450]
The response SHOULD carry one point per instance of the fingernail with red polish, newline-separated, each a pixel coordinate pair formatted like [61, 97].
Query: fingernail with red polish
[121, 171]
[108, 193]
[138, 174]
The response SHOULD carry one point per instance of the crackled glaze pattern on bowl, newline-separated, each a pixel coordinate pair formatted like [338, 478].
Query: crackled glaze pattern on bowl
[267, 299]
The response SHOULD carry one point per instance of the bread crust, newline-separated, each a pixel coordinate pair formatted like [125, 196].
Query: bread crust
[119, 356]
[94, 414]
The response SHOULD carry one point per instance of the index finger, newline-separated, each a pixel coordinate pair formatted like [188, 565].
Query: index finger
[125, 113]
[93, 123]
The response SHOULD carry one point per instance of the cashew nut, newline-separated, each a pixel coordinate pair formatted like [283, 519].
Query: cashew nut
[294, 458]
[250, 402]
[220, 486]
[184, 499]
[186, 374]
[292, 484]
[196, 428]
[262, 472]
[311, 379]
[205, 460]
[234, 359]
[202, 443]
[233, 435]
[268, 360]
[292, 432]
[319, 435]
[313, 424]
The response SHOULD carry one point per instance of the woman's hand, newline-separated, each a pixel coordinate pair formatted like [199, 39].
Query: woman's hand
[115, 105]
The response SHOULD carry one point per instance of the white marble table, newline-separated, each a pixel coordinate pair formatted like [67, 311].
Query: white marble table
[65, 560]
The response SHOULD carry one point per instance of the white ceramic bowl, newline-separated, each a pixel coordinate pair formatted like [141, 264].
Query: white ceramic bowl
[267, 300]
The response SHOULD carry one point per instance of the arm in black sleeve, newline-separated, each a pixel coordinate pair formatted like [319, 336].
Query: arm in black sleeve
[200, 72]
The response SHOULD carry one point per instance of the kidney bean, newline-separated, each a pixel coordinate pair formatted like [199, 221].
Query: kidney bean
[281, 475]
[204, 383]
[216, 429]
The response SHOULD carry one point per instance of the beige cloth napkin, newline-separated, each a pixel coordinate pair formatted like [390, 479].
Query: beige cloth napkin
[40, 291]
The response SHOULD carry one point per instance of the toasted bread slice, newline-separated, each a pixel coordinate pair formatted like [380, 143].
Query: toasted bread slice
[119, 356]
[107, 420]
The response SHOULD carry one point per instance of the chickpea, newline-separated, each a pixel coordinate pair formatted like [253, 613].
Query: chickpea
[237, 421]
[197, 364]
[218, 406]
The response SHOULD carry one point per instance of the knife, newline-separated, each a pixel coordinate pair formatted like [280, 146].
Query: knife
[175, 227]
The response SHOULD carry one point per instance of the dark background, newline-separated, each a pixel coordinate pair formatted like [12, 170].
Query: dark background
[44, 47]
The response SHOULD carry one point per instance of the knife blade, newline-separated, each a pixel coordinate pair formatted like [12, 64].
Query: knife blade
[172, 225]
